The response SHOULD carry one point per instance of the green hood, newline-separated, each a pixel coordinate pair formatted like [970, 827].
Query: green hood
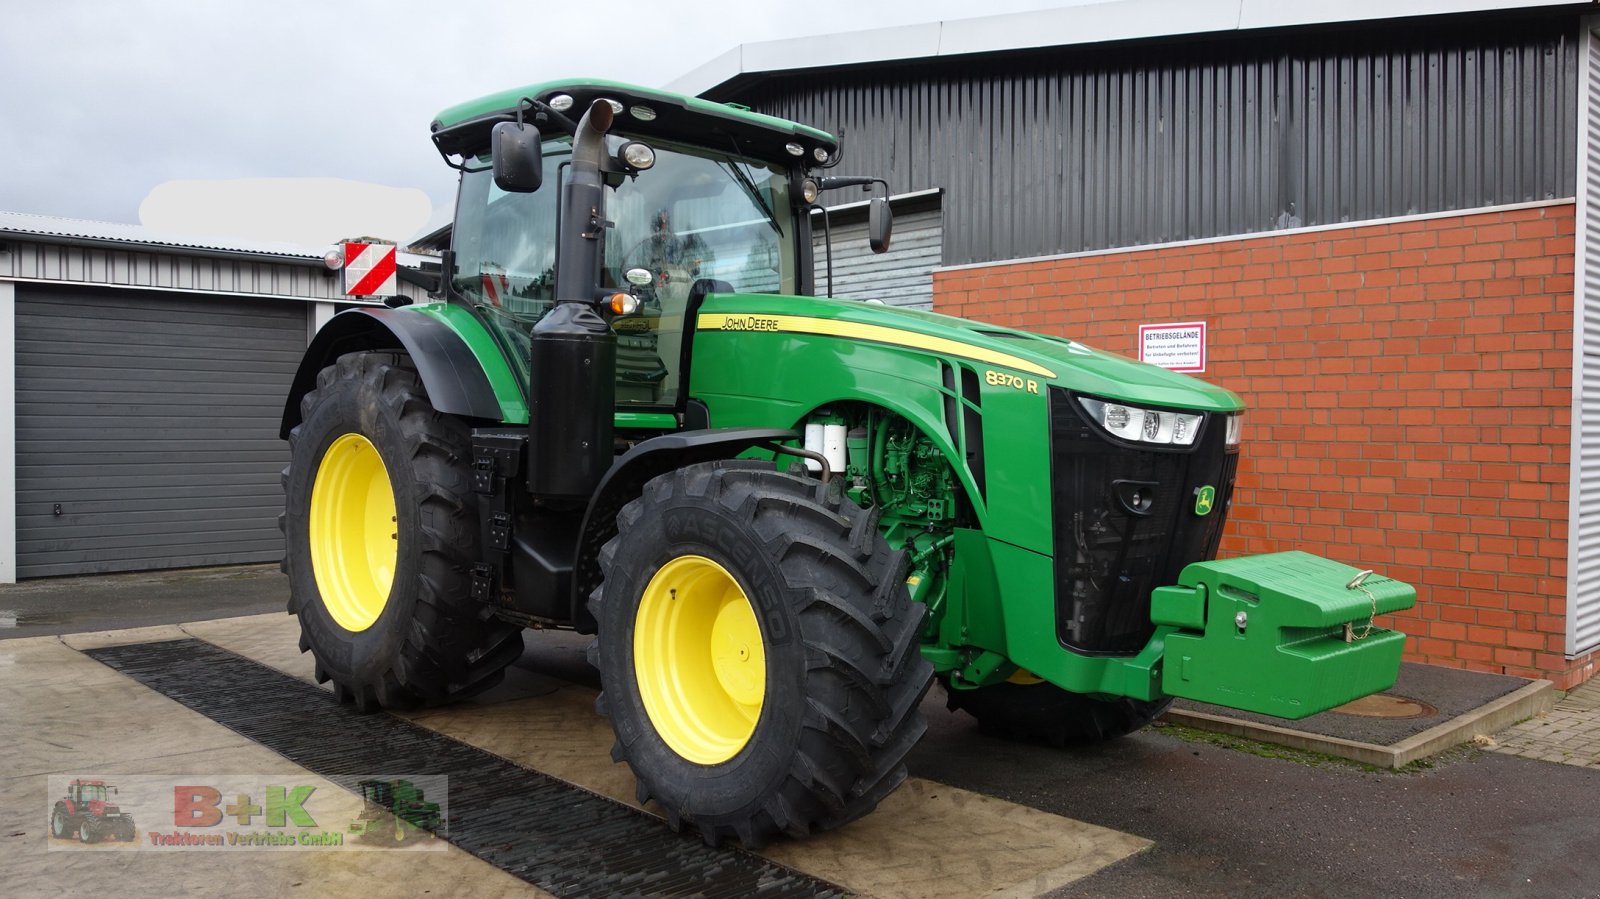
[1058, 361]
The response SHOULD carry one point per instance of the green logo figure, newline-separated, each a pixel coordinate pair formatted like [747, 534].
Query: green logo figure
[1204, 499]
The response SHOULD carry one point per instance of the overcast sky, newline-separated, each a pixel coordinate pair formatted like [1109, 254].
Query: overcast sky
[102, 101]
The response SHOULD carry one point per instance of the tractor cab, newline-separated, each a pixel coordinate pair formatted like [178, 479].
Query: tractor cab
[84, 792]
[700, 197]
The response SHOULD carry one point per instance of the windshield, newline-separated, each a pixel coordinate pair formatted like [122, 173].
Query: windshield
[696, 214]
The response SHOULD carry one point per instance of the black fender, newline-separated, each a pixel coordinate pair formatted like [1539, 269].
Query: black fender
[625, 480]
[450, 372]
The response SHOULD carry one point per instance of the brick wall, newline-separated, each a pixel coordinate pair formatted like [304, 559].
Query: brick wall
[1409, 391]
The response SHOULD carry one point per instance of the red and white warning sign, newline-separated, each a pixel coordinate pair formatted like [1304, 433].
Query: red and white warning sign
[1180, 346]
[369, 270]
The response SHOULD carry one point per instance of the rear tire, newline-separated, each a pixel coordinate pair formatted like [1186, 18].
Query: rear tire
[422, 638]
[1045, 713]
[805, 580]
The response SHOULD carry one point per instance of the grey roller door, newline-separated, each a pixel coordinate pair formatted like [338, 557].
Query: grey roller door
[147, 428]
[901, 277]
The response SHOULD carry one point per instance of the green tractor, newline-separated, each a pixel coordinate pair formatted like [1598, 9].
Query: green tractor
[627, 413]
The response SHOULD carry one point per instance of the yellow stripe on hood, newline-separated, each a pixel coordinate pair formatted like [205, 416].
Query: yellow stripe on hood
[828, 327]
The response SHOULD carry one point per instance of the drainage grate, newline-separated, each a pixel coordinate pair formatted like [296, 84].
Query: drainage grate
[556, 836]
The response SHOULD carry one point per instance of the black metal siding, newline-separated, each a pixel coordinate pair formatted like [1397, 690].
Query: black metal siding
[151, 419]
[1083, 148]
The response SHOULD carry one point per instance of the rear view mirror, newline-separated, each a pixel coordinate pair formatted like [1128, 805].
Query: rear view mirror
[518, 158]
[880, 224]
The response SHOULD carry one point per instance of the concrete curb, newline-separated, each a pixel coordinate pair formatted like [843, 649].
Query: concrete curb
[1534, 699]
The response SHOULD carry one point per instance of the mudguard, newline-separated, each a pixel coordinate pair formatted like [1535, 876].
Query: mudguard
[626, 479]
[451, 372]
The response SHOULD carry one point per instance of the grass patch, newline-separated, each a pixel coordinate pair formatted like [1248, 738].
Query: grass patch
[1284, 753]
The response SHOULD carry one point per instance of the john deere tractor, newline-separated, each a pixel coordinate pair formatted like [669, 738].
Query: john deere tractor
[626, 412]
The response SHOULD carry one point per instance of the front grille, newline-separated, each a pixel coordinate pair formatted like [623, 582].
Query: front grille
[1125, 523]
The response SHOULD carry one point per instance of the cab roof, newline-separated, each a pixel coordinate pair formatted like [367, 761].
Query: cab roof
[463, 129]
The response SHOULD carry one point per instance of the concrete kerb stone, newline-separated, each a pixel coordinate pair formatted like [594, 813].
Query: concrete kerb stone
[1534, 699]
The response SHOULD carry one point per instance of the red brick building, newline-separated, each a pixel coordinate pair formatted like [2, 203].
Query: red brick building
[1410, 392]
[1384, 220]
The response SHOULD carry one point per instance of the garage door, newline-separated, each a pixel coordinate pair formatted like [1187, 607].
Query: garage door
[901, 277]
[147, 428]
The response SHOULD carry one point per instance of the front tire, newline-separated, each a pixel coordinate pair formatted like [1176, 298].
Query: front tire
[1042, 712]
[61, 824]
[381, 531]
[758, 653]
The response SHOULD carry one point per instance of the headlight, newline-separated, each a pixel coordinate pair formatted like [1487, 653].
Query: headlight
[637, 156]
[1235, 428]
[1144, 425]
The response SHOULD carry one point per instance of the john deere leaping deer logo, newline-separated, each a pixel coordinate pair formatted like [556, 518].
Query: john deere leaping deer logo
[1204, 499]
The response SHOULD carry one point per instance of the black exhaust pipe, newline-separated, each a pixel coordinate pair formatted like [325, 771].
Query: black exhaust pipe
[573, 350]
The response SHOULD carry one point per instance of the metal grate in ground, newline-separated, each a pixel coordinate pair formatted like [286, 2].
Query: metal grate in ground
[558, 837]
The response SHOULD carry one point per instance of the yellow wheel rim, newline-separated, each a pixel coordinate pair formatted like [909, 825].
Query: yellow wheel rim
[699, 660]
[353, 532]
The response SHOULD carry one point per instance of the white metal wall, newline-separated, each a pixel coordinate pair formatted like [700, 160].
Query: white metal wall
[109, 266]
[901, 277]
[1583, 553]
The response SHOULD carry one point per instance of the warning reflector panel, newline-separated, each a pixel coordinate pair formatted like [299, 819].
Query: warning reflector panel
[369, 270]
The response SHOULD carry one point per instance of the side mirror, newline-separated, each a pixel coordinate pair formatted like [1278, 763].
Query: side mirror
[518, 157]
[880, 224]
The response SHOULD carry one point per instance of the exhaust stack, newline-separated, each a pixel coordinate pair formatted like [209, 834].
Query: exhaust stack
[572, 349]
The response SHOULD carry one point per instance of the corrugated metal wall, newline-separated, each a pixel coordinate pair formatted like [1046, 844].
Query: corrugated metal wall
[1583, 575]
[901, 277]
[1082, 148]
[147, 428]
[104, 265]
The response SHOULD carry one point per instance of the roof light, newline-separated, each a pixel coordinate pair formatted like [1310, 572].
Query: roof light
[820, 154]
[794, 149]
[560, 102]
[643, 113]
[616, 106]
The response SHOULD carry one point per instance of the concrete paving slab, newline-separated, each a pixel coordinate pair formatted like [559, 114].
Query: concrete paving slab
[273, 639]
[95, 639]
[963, 844]
[930, 839]
[64, 713]
[67, 714]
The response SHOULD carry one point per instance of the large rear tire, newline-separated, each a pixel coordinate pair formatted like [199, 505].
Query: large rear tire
[382, 529]
[1045, 713]
[758, 653]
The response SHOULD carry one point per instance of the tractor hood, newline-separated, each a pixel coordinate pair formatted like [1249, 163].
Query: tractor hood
[1058, 361]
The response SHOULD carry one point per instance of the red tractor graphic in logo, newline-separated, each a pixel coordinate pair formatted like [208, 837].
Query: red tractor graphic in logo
[87, 812]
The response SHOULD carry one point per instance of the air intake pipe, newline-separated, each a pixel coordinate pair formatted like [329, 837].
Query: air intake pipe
[572, 354]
